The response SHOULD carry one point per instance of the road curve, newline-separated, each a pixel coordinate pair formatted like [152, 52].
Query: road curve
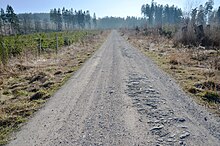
[120, 97]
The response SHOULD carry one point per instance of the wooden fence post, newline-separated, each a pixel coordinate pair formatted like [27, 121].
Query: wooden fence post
[3, 57]
[39, 47]
[57, 45]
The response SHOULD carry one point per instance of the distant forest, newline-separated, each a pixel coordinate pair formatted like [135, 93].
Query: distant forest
[198, 27]
[60, 20]
[158, 15]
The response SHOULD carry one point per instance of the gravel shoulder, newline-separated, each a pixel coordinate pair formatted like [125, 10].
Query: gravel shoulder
[120, 97]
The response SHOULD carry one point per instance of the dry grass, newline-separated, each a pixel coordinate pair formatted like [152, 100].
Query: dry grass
[27, 82]
[190, 67]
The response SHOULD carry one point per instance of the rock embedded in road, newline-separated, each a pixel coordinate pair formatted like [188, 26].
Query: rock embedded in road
[184, 135]
[157, 128]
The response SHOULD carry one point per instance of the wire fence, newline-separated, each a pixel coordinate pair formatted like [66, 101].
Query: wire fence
[36, 44]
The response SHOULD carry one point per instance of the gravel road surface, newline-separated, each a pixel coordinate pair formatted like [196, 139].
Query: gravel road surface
[120, 98]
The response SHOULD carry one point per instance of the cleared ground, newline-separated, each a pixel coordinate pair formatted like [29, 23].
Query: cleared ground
[119, 97]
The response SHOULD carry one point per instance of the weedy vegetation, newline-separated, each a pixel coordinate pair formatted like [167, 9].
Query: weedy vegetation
[34, 70]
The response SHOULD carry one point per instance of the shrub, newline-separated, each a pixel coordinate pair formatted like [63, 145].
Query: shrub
[211, 97]
[174, 59]
[186, 36]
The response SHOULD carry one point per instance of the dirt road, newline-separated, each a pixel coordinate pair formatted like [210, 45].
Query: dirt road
[119, 97]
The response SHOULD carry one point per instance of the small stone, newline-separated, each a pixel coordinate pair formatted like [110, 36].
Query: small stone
[169, 140]
[135, 83]
[141, 109]
[112, 91]
[172, 135]
[181, 142]
[182, 120]
[151, 90]
[184, 135]
[157, 127]
[183, 126]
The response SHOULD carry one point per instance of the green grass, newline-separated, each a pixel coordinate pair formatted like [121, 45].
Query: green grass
[15, 45]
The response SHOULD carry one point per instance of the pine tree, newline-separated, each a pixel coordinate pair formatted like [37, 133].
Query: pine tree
[146, 11]
[158, 15]
[4, 20]
[177, 15]
[94, 21]
[59, 20]
[201, 16]
[208, 10]
[1, 24]
[193, 16]
[12, 19]
[166, 14]
[53, 16]
[65, 17]
[88, 19]
[81, 19]
[151, 13]
[218, 15]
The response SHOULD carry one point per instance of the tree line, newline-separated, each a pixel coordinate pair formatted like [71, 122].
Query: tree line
[56, 20]
[204, 14]
[201, 26]
[60, 20]
[70, 19]
[9, 22]
[118, 22]
[158, 15]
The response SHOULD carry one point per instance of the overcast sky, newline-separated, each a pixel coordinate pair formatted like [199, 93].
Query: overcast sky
[121, 8]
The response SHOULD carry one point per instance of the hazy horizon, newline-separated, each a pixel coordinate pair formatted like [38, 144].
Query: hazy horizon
[113, 8]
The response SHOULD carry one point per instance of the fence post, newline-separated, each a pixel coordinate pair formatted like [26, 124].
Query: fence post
[57, 44]
[3, 57]
[39, 47]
